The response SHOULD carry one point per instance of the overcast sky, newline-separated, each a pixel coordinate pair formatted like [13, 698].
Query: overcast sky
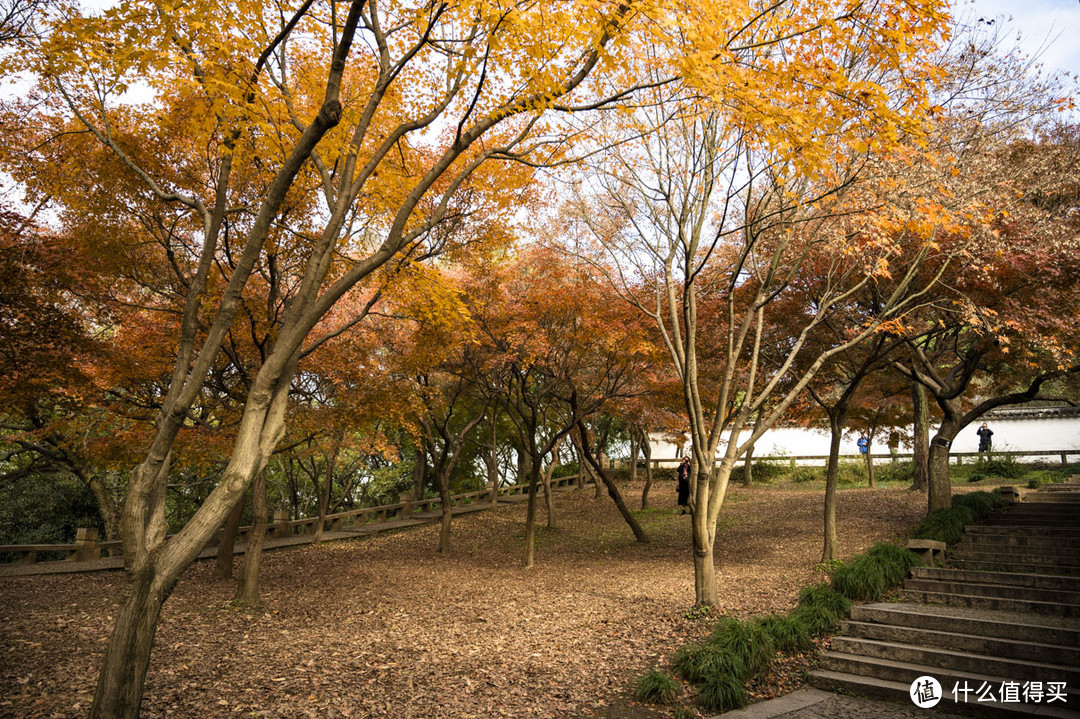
[1049, 27]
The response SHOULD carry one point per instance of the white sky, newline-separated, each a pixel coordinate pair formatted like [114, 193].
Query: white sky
[1048, 28]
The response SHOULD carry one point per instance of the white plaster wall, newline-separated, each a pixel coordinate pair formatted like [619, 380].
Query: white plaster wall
[1022, 435]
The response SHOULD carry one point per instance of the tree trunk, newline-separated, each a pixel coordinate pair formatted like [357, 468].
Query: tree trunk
[703, 537]
[227, 548]
[869, 466]
[324, 502]
[107, 506]
[127, 657]
[443, 479]
[748, 467]
[940, 494]
[633, 455]
[546, 477]
[530, 523]
[921, 444]
[247, 592]
[612, 488]
[646, 447]
[830, 549]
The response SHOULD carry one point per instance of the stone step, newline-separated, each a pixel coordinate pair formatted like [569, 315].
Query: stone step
[1047, 548]
[899, 692]
[1053, 497]
[1032, 521]
[956, 660]
[1010, 554]
[984, 565]
[1016, 579]
[996, 591]
[980, 602]
[1007, 530]
[1024, 649]
[904, 672]
[999, 625]
[1033, 541]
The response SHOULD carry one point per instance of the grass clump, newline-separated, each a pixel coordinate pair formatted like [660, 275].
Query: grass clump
[656, 687]
[747, 642]
[895, 561]
[980, 504]
[944, 525]
[788, 635]
[894, 472]
[1000, 465]
[851, 472]
[696, 662]
[862, 578]
[820, 608]
[723, 692]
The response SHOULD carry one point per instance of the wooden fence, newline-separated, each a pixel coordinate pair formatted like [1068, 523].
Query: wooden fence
[87, 547]
[821, 459]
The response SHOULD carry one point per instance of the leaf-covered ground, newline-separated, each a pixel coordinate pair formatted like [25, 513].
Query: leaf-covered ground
[388, 627]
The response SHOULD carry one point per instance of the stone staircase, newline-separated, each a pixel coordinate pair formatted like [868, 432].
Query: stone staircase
[1004, 615]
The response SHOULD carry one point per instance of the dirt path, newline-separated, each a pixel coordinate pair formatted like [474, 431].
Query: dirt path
[387, 626]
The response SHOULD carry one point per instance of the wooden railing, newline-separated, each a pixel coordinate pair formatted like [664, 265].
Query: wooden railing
[86, 547]
[1063, 454]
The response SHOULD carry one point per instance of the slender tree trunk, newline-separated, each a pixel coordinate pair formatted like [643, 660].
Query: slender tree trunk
[646, 447]
[548, 472]
[247, 592]
[633, 455]
[921, 441]
[870, 466]
[748, 467]
[324, 502]
[530, 523]
[227, 548]
[612, 488]
[831, 549]
[443, 479]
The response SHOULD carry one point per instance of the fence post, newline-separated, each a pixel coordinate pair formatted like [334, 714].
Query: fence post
[86, 547]
[281, 523]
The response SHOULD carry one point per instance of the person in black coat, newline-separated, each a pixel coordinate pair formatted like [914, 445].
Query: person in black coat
[684, 484]
[985, 433]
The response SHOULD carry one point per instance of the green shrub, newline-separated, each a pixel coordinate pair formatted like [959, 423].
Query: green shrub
[947, 525]
[851, 471]
[817, 620]
[747, 641]
[765, 470]
[976, 477]
[684, 713]
[565, 470]
[1000, 465]
[803, 474]
[1034, 483]
[861, 579]
[722, 693]
[980, 504]
[894, 472]
[787, 634]
[824, 596]
[656, 687]
[895, 561]
[695, 662]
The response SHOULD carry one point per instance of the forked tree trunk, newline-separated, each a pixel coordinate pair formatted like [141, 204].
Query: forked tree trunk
[247, 592]
[127, 656]
[227, 548]
[921, 441]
